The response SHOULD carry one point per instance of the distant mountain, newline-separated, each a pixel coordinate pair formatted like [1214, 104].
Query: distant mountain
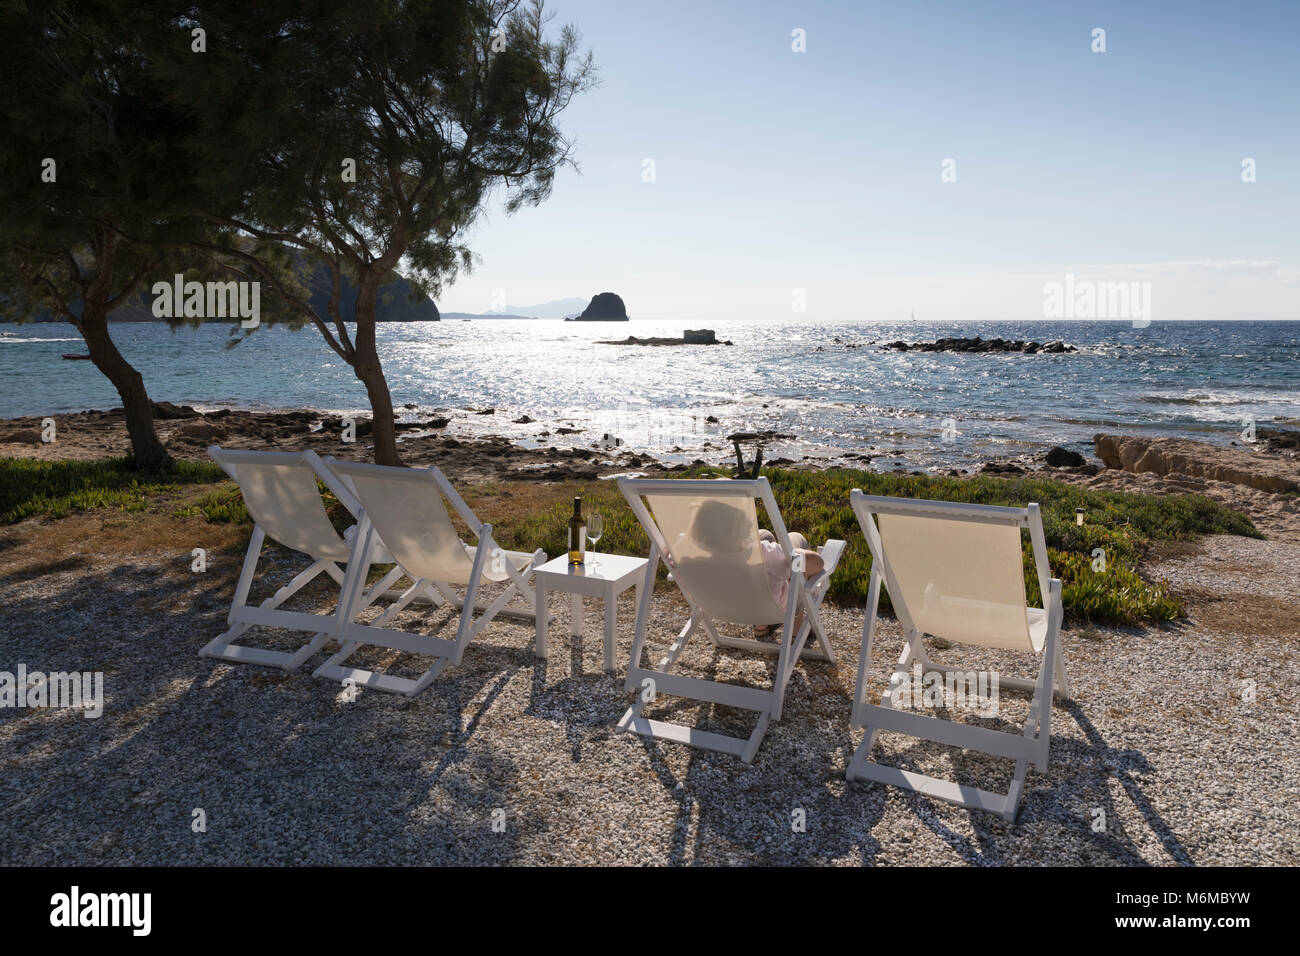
[453, 316]
[559, 309]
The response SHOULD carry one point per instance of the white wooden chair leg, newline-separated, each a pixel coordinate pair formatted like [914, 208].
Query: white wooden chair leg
[297, 659]
[785, 659]
[1013, 794]
[242, 618]
[251, 558]
[864, 658]
[242, 587]
[1062, 678]
[645, 593]
[756, 738]
[398, 606]
[465, 629]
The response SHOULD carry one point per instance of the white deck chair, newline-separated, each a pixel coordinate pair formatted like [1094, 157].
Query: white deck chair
[722, 579]
[279, 490]
[404, 509]
[956, 571]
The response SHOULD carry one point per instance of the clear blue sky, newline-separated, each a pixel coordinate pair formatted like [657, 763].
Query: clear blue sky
[820, 171]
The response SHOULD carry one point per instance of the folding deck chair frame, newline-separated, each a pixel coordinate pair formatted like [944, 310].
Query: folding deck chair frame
[242, 617]
[1032, 744]
[805, 593]
[515, 567]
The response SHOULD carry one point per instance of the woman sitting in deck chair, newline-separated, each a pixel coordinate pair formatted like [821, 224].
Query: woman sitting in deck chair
[717, 529]
[707, 535]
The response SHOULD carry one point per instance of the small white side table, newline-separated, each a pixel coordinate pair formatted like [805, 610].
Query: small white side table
[601, 575]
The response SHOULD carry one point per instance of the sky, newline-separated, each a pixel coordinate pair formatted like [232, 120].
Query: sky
[812, 184]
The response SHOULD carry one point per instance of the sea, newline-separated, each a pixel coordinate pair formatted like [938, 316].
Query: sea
[825, 389]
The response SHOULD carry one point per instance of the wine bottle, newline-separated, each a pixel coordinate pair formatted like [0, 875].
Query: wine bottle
[577, 534]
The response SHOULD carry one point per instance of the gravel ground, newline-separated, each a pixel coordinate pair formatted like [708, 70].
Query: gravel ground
[286, 771]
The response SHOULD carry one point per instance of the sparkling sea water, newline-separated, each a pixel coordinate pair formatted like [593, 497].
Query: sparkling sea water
[914, 410]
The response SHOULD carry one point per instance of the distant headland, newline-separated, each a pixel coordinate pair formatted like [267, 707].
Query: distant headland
[398, 302]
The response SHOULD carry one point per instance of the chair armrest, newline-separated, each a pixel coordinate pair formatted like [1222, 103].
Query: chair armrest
[831, 553]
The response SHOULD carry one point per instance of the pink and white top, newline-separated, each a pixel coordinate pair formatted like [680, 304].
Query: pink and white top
[778, 571]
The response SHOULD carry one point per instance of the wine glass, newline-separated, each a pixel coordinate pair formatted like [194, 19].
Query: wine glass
[595, 527]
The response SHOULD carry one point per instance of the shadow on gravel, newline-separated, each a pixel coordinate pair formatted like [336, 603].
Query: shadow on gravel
[274, 766]
[1122, 764]
[788, 807]
[1054, 825]
[587, 703]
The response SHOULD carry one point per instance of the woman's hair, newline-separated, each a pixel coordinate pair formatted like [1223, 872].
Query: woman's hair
[721, 528]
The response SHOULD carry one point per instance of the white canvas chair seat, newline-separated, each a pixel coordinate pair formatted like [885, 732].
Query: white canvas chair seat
[1035, 627]
[279, 490]
[956, 571]
[706, 533]
[404, 510]
[519, 560]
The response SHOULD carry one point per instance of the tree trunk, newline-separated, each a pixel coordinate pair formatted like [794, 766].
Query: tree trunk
[371, 373]
[147, 451]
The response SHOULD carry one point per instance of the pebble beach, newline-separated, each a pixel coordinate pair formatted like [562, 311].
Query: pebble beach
[509, 759]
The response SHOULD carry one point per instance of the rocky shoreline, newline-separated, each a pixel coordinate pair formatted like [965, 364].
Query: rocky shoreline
[458, 445]
[187, 433]
[1262, 479]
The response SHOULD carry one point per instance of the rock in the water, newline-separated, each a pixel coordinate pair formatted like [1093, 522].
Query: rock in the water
[1165, 456]
[978, 344]
[604, 307]
[689, 337]
[1061, 458]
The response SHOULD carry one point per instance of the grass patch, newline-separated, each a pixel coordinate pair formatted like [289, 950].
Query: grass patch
[223, 506]
[56, 489]
[530, 515]
[1125, 526]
